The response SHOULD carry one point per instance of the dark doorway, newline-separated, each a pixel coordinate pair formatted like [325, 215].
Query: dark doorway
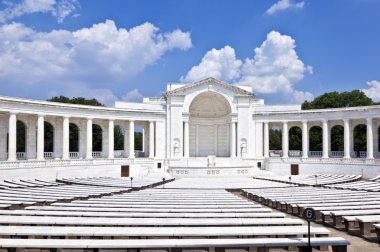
[294, 169]
[125, 170]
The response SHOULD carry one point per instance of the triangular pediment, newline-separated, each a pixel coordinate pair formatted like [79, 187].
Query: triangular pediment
[209, 81]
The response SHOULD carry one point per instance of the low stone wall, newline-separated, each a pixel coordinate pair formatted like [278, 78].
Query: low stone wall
[368, 171]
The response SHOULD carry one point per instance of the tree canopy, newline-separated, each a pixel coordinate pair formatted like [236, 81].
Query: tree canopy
[76, 100]
[354, 98]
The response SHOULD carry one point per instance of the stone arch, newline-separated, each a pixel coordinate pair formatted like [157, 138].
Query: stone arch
[360, 140]
[315, 138]
[74, 137]
[189, 99]
[209, 122]
[21, 128]
[97, 138]
[119, 136]
[48, 137]
[295, 138]
[337, 138]
[275, 137]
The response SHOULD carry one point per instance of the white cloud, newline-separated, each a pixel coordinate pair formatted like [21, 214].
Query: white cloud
[96, 58]
[275, 67]
[133, 96]
[374, 91]
[301, 96]
[220, 64]
[283, 5]
[58, 8]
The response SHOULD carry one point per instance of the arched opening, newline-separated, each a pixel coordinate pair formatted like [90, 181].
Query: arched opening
[315, 141]
[360, 141]
[295, 141]
[275, 141]
[209, 124]
[337, 141]
[21, 140]
[48, 140]
[97, 140]
[119, 133]
[73, 140]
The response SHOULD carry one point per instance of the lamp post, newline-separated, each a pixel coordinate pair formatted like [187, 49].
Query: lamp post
[163, 183]
[131, 181]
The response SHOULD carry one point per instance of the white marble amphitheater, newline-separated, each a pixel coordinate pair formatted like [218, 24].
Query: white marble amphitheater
[206, 128]
[204, 178]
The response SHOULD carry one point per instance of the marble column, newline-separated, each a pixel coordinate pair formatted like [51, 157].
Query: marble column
[151, 139]
[347, 138]
[40, 137]
[65, 138]
[305, 138]
[233, 139]
[186, 140]
[325, 139]
[369, 138]
[111, 147]
[266, 139]
[126, 139]
[131, 139]
[285, 140]
[89, 139]
[12, 137]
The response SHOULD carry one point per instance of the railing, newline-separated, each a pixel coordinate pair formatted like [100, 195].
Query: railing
[275, 153]
[315, 153]
[139, 153]
[118, 153]
[337, 154]
[21, 155]
[361, 154]
[74, 155]
[48, 155]
[97, 154]
[295, 153]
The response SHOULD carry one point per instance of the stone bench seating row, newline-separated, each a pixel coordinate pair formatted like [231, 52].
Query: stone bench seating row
[150, 210]
[25, 183]
[319, 179]
[252, 244]
[357, 209]
[114, 182]
[22, 197]
[104, 221]
[263, 214]
[371, 186]
[162, 232]
[375, 179]
[200, 206]
[365, 224]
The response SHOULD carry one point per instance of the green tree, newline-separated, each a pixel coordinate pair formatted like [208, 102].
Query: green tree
[76, 100]
[295, 138]
[275, 139]
[354, 98]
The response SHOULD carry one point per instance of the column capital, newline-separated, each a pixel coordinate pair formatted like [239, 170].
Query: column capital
[304, 121]
[89, 118]
[369, 119]
[13, 112]
[41, 115]
[66, 117]
[325, 120]
[346, 120]
[285, 122]
[131, 121]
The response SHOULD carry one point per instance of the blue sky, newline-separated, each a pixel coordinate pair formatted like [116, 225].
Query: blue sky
[287, 50]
